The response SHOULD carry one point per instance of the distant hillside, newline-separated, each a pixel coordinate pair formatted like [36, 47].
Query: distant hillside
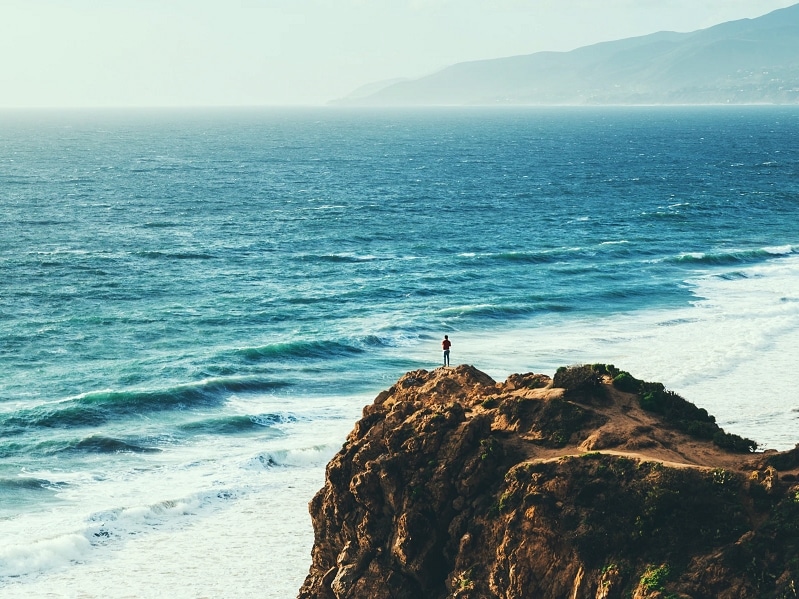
[739, 62]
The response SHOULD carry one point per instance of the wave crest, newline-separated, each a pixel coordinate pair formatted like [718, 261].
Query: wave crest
[100, 407]
[299, 350]
[734, 256]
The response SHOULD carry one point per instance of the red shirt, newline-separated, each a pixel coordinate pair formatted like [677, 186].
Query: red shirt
[446, 344]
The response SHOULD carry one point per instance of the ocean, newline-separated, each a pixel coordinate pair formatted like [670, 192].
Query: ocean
[196, 305]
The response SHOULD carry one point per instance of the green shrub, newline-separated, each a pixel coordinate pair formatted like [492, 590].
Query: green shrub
[605, 369]
[576, 378]
[687, 417]
[786, 460]
[624, 381]
[487, 447]
[558, 420]
[650, 403]
[733, 442]
[489, 403]
[701, 430]
[654, 578]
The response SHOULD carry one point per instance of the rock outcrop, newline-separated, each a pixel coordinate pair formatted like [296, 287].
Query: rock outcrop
[453, 485]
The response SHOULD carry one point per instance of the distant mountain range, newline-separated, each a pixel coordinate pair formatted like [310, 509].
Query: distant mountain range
[751, 61]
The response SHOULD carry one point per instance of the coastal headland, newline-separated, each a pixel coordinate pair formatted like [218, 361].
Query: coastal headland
[590, 484]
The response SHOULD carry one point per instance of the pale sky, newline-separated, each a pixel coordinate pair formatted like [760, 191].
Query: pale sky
[71, 53]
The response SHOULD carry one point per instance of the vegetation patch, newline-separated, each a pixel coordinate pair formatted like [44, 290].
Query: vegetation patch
[677, 411]
[654, 578]
[583, 379]
[488, 447]
[620, 506]
[489, 403]
[465, 582]
[559, 420]
[518, 408]
[528, 381]
[785, 461]
[624, 381]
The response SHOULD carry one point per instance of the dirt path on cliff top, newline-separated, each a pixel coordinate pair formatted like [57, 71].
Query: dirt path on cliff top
[627, 429]
[631, 432]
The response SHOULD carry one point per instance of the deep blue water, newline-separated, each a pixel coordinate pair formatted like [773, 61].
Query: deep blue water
[151, 250]
[155, 266]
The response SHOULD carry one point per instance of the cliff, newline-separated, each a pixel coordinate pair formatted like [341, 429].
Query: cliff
[592, 485]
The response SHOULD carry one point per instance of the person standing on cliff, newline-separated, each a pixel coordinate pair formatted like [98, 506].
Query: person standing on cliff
[445, 345]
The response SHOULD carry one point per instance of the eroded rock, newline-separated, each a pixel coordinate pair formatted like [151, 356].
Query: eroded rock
[453, 485]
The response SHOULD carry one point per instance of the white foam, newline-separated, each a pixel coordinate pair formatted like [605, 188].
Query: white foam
[257, 546]
[45, 554]
[121, 500]
[38, 543]
[302, 457]
[779, 249]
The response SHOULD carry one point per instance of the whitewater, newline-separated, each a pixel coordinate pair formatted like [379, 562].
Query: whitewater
[195, 306]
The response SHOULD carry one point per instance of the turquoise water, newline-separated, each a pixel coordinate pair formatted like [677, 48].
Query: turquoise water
[229, 288]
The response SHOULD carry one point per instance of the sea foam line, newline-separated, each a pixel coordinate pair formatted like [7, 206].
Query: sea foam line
[105, 528]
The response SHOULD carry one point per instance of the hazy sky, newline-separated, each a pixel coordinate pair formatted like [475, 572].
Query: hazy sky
[277, 52]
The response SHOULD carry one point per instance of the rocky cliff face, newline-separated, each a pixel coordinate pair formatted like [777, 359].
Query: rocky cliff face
[453, 485]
